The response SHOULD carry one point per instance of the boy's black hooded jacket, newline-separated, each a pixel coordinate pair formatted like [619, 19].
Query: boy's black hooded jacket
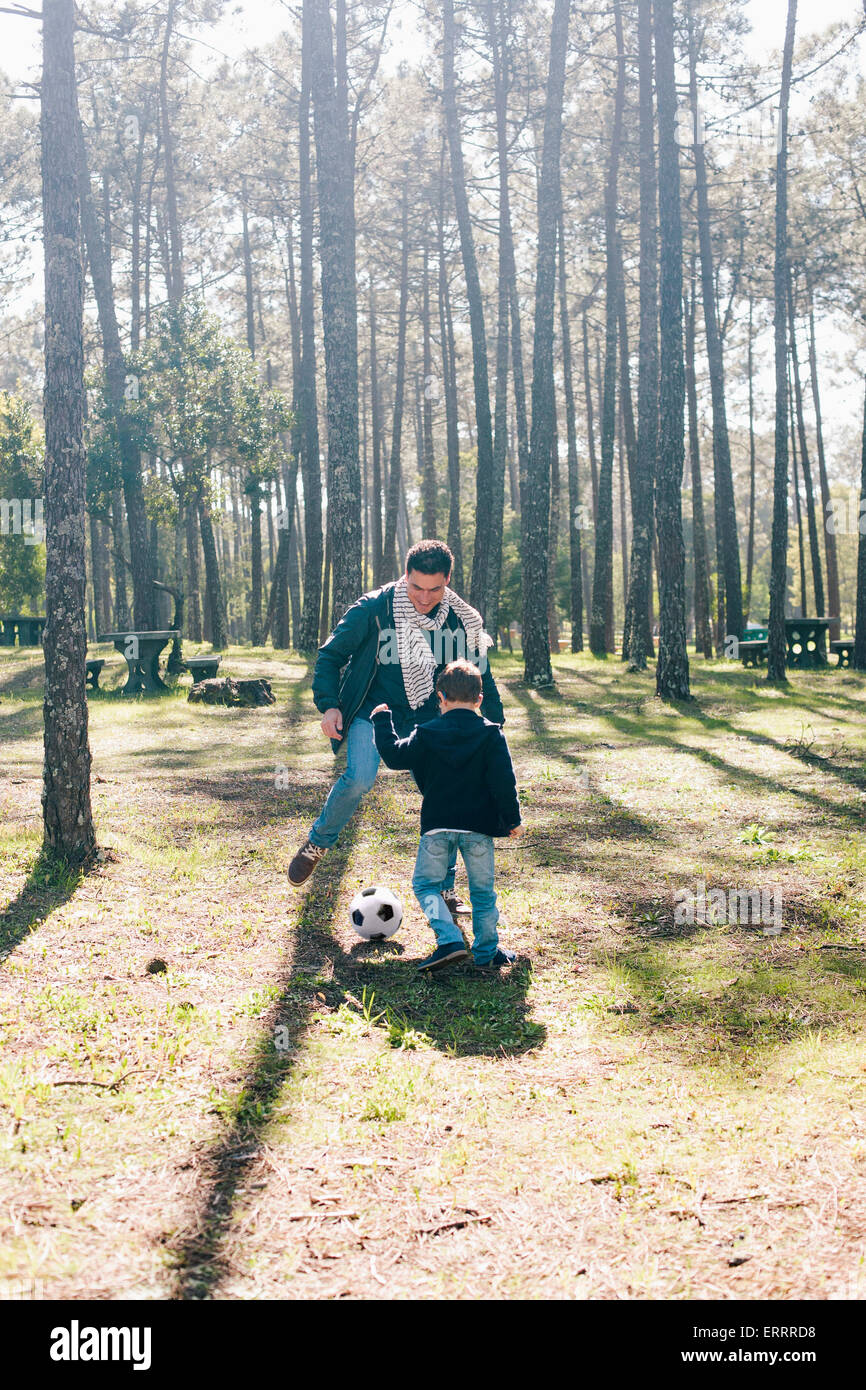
[463, 767]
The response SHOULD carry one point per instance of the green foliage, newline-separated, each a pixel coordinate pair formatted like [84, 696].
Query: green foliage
[22, 566]
[195, 400]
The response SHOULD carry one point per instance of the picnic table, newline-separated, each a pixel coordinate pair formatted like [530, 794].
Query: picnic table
[807, 641]
[141, 651]
[29, 630]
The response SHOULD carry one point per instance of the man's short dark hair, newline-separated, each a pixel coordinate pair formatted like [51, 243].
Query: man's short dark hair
[430, 557]
[460, 682]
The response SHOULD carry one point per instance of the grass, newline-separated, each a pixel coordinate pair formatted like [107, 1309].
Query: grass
[640, 1107]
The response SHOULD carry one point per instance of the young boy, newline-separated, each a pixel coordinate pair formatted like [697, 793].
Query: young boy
[463, 769]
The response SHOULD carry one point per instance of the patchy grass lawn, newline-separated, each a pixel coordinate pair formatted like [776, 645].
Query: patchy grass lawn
[210, 1088]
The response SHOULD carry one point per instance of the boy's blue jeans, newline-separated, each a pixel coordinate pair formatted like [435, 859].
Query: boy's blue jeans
[344, 798]
[437, 854]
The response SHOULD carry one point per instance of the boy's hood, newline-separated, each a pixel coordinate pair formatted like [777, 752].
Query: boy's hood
[456, 737]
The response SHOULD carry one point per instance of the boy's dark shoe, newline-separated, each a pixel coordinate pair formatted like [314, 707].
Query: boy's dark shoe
[443, 955]
[501, 958]
[454, 903]
[305, 862]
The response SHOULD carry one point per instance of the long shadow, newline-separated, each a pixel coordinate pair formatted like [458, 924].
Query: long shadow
[48, 886]
[603, 818]
[200, 1259]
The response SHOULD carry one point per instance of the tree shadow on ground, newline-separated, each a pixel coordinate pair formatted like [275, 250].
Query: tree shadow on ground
[48, 886]
[463, 1013]
[762, 1002]
[199, 1256]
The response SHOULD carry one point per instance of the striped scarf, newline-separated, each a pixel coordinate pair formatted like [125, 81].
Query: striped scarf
[417, 661]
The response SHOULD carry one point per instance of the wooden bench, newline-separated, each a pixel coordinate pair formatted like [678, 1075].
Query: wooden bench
[753, 653]
[203, 668]
[844, 651]
[92, 673]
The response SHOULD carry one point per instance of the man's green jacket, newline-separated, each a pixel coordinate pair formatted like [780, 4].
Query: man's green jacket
[346, 663]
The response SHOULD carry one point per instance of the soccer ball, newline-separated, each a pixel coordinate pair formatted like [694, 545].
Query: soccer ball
[375, 913]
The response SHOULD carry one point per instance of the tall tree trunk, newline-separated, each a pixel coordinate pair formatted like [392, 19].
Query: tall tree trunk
[602, 584]
[68, 832]
[122, 615]
[175, 267]
[391, 565]
[498, 36]
[833, 603]
[623, 523]
[637, 637]
[115, 378]
[811, 521]
[535, 494]
[750, 548]
[858, 656]
[484, 428]
[427, 456]
[252, 487]
[193, 580]
[777, 643]
[376, 443]
[726, 513]
[590, 423]
[215, 596]
[575, 514]
[452, 436]
[703, 606]
[797, 508]
[311, 469]
[672, 669]
[336, 186]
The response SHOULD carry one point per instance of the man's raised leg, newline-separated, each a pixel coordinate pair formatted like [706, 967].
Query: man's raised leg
[344, 798]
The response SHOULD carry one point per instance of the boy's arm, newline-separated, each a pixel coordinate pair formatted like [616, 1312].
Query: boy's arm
[502, 782]
[394, 751]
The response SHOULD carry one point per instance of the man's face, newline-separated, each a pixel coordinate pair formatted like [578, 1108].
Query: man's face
[426, 590]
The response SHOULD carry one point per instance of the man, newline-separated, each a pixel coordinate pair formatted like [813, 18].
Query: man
[389, 649]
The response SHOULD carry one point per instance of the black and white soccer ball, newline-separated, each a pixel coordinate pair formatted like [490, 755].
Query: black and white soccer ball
[375, 913]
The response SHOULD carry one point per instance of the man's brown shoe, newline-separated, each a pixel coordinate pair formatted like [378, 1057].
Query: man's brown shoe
[305, 862]
[455, 904]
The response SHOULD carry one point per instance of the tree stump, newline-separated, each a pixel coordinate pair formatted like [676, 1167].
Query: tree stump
[226, 691]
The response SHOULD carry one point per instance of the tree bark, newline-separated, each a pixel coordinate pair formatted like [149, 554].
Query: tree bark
[535, 494]
[703, 606]
[336, 187]
[858, 656]
[637, 636]
[726, 513]
[115, 378]
[428, 461]
[391, 565]
[215, 596]
[376, 444]
[777, 642]
[311, 469]
[478, 588]
[452, 435]
[833, 601]
[68, 832]
[672, 668]
[575, 515]
[602, 585]
[805, 463]
[750, 547]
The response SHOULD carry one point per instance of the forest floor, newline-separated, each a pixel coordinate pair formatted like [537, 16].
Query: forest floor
[209, 1088]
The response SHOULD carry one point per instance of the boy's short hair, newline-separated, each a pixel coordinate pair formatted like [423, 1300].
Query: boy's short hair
[460, 682]
[430, 557]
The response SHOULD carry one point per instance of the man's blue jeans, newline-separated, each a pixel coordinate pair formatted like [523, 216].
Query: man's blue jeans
[437, 854]
[344, 798]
